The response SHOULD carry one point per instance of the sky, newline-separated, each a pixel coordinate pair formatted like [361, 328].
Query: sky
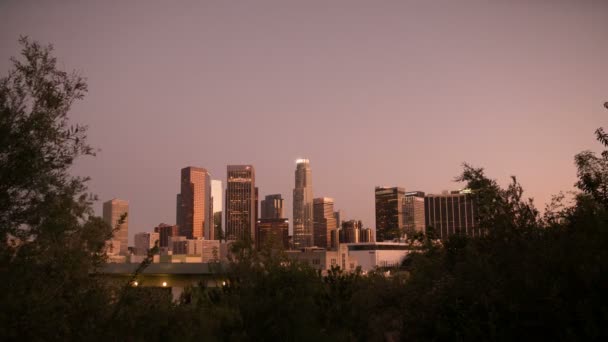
[374, 93]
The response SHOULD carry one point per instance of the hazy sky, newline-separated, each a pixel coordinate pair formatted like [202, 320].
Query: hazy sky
[372, 92]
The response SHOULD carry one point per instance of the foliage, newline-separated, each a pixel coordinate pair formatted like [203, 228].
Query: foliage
[525, 277]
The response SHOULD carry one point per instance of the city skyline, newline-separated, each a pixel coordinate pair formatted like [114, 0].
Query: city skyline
[418, 88]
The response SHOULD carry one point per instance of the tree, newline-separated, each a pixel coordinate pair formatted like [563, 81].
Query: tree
[50, 239]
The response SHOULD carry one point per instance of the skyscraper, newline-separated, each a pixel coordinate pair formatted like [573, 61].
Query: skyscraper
[240, 203]
[144, 241]
[112, 212]
[389, 213]
[165, 231]
[272, 232]
[324, 221]
[338, 214]
[452, 213]
[272, 207]
[366, 235]
[351, 231]
[413, 211]
[194, 203]
[217, 200]
[302, 205]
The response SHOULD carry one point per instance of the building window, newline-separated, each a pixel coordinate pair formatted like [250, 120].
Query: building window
[333, 262]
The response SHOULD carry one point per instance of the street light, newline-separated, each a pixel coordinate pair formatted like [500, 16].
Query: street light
[164, 284]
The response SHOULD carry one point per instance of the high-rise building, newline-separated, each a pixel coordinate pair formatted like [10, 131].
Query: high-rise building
[217, 199]
[338, 214]
[272, 207]
[273, 232]
[178, 210]
[389, 213]
[165, 231]
[178, 245]
[257, 204]
[413, 211]
[303, 206]
[366, 235]
[240, 203]
[324, 221]
[351, 231]
[113, 210]
[195, 203]
[209, 250]
[145, 241]
[451, 213]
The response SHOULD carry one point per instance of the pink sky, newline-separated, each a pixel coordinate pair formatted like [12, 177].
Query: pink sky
[372, 92]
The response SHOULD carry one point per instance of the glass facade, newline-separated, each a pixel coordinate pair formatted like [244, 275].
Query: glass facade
[165, 231]
[452, 213]
[195, 206]
[217, 199]
[303, 206]
[389, 213]
[324, 221]
[273, 233]
[240, 200]
[413, 212]
[112, 211]
[272, 206]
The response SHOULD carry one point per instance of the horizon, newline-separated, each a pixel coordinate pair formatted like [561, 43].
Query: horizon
[395, 94]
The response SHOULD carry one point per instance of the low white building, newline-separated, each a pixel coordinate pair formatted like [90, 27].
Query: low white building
[350, 256]
[378, 254]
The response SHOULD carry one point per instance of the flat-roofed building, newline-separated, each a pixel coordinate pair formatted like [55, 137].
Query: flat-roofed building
[194, 203]
[217, 195]
[389, 213]
[324, 221]
[241, 210]
[178, 245]
[113, 211]
[366, 235]
[165, 231]
[351, 231]
[144, 241]
[272, 233]
[451, 213]
[272, 207]
[413, 211]
[208, 250]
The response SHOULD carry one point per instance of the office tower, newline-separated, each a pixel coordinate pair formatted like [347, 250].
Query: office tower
[366, 235]
[112, 212]
[451, 213]
[389, 213]
[240, 203]
[302, 206]
[257, 205]
[337, 215]
[272, 207]
[217, 199]
[145, 241]
[178, 245]
[273, 233]
[413, 211]
[209, 250]
[164, 232]
[323, 221]
[351, 231]
[178, 210]
[195, 203]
